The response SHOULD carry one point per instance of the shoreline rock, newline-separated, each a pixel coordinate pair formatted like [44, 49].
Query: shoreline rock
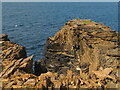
[83, 54]
[14, 56]
[82, 44]
[4, 37]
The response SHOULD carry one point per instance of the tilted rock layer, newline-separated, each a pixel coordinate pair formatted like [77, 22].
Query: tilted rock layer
[83, 54]
[13, 57]
[92, 45]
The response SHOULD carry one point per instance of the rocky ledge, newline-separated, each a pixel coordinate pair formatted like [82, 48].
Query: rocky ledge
[82, 44]
[83, 54]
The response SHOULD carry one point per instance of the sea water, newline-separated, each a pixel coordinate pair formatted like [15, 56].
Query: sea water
[30, 23]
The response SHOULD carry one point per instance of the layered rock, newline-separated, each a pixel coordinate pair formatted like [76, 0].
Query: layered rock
[51, 80]
[4, 37]
[14, 57]
[83, 54]
[82, 44]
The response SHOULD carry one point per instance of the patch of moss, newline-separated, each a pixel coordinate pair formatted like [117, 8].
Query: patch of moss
[87, 22]
[27, 87]
[4, 83]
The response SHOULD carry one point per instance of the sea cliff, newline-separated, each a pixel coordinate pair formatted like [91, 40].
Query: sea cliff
[83, 54]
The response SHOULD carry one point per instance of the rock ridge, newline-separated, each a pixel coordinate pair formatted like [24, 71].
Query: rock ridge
[84, 42]
[83, 54]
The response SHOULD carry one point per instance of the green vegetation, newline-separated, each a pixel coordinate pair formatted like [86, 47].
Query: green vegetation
[4, 83]
[27, 87]
[87, 22]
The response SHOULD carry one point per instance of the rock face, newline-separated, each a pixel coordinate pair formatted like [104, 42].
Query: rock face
[14, 60]
[4, 37]
[82, 44]
[83, 54]
[14, 57]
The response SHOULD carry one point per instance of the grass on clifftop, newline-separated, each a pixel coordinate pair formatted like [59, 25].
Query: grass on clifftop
[87, 22]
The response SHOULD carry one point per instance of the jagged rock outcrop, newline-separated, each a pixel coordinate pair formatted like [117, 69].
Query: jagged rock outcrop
[51, 80]
[82, 44]
[4, 37]
[14, 57]
[83, 54]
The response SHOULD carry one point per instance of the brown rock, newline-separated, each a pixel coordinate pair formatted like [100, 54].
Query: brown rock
[30, 82]
[10, 70]
[72, 86]
[73, 58]
[4, 37]
[11, 51]
[104, 73]
[111, 85]
[15, 86]
[86, 41]
[57, 84]
[24, 64]
[19, 83]
[27, 64]
[10, 84]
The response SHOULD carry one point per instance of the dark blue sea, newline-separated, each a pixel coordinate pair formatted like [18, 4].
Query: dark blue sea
[29, 24]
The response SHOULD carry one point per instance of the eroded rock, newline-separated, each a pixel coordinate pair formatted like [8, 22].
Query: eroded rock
[83, 54]
[4, 37]
[82, 44]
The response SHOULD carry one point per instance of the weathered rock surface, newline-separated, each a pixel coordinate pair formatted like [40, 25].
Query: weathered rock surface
[11, 51]
[83, 54]
[55, 80]
[13, 57]
[4, 37]
[82, 44]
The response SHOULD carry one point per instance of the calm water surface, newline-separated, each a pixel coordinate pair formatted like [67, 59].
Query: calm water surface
[29, 24]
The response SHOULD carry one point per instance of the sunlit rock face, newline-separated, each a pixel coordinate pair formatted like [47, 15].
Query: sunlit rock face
[4, 37]
[13, 58]
[83, 54]
[82, 44]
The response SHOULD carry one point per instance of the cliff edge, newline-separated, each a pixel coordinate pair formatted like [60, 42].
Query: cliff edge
[83, 54]
[82, 44]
